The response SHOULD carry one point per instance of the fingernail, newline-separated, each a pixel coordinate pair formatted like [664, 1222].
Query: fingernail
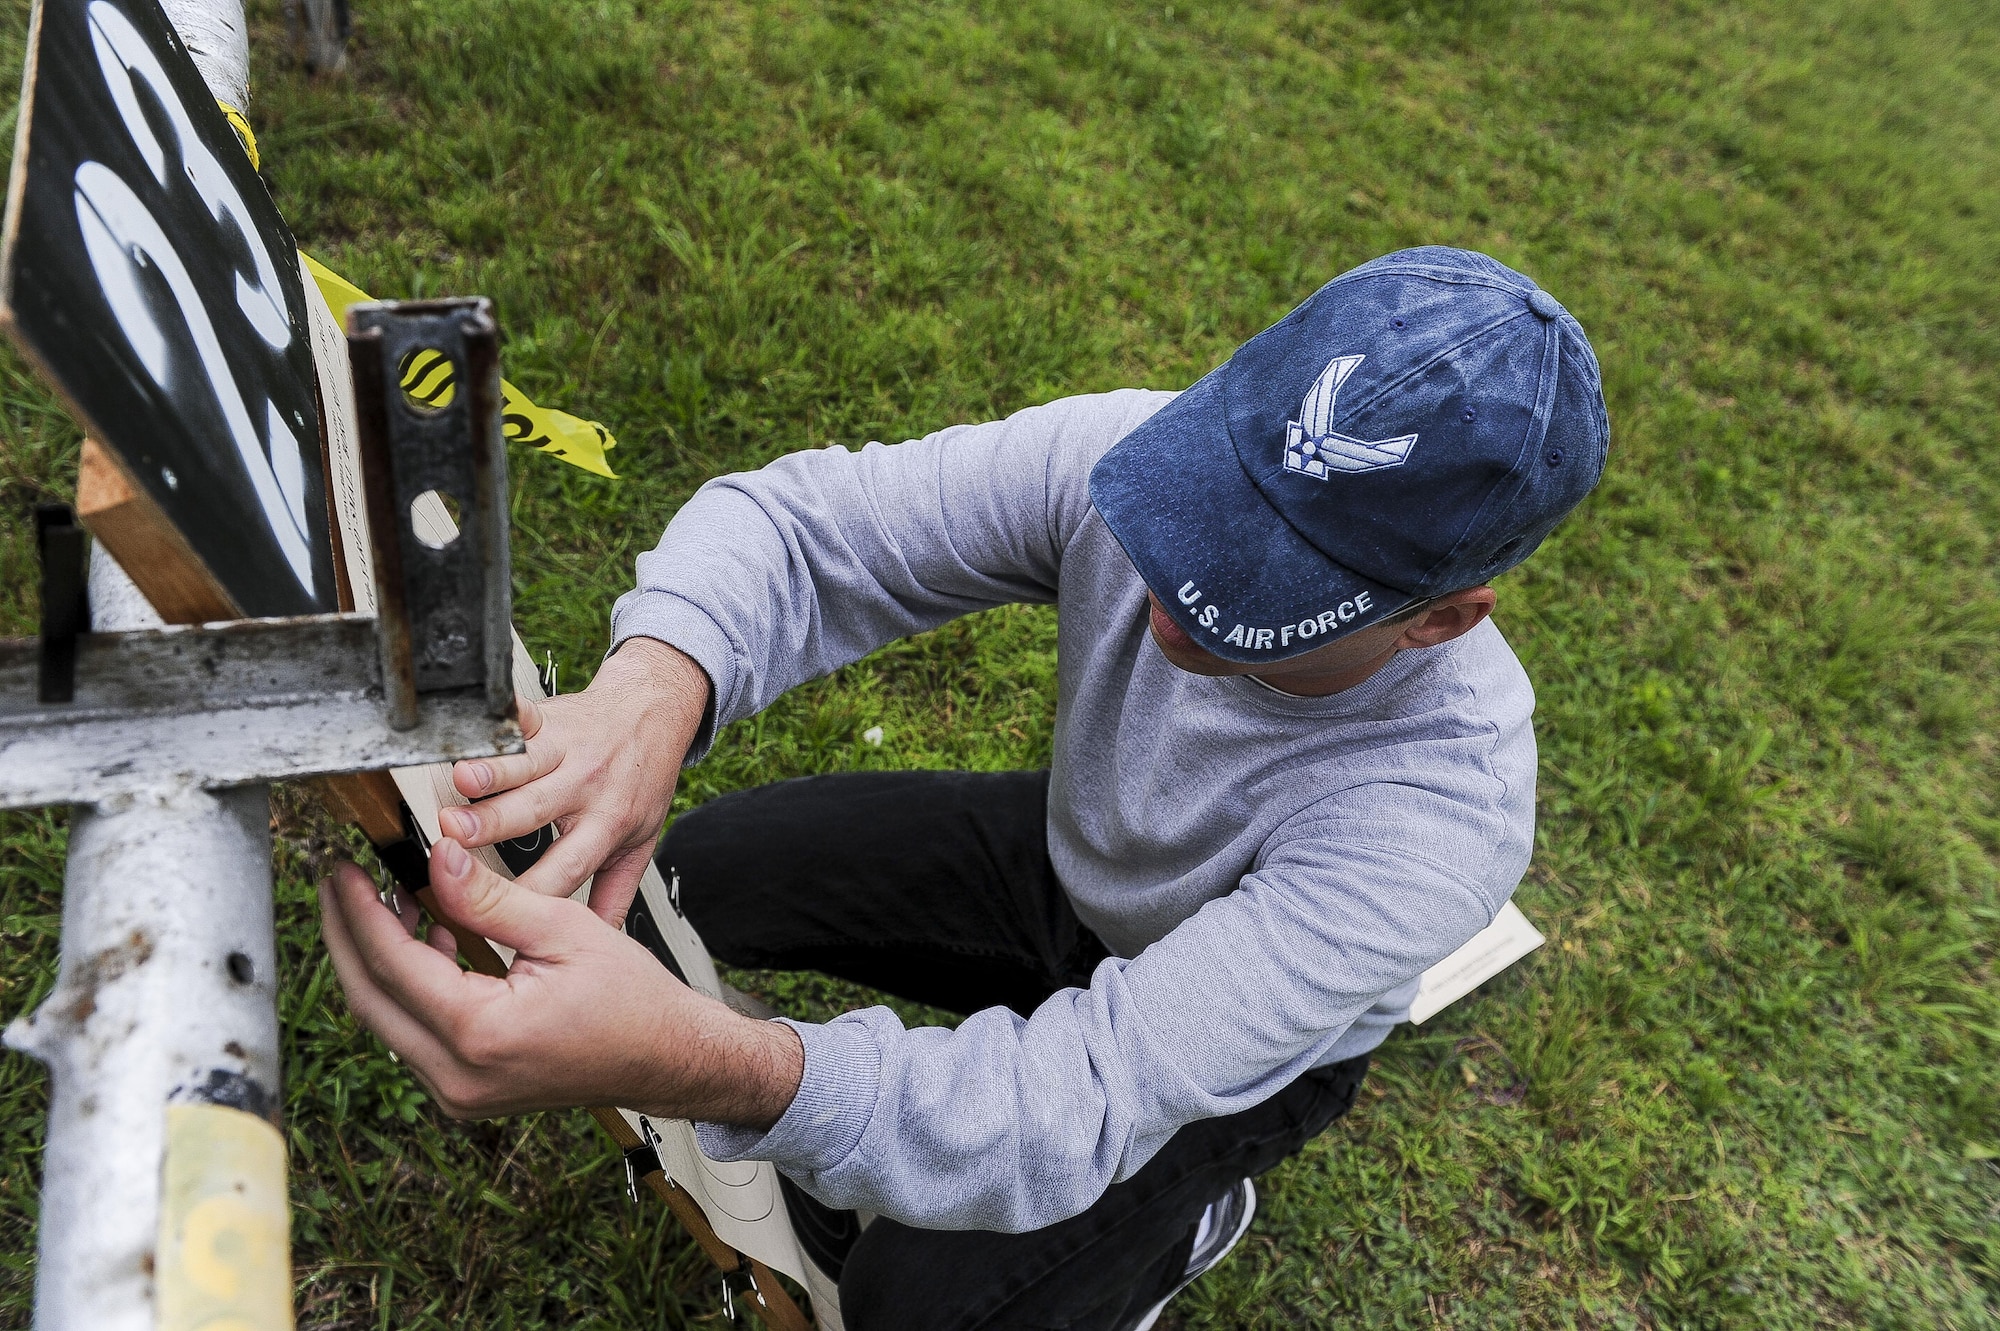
[460, 824]
[453, 857]
[482, 776]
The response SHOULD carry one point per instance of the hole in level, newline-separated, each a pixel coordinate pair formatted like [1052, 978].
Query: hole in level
[242, 969]
[429, 380]
[434, 518]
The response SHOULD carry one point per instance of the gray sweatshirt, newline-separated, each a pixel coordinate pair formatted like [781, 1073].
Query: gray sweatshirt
[1270, 873]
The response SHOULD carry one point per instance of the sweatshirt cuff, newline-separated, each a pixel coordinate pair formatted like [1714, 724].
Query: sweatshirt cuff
[826, 1119]
[686, 626]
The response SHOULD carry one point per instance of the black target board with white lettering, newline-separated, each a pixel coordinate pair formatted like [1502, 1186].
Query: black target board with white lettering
[147, 271]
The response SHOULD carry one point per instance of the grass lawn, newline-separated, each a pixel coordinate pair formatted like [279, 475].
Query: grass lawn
[1751, 1081]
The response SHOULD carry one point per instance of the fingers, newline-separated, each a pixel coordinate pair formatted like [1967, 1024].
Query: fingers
[590, 772]
[415, 977]
[575, 856]
[438, 1063]
[478, 899]
[617, 882]
[529, 712]
[372, 1005]
[404, 908]
[476, 778]
[516, 813]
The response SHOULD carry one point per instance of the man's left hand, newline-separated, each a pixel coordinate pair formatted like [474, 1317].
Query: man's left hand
[584, 1016]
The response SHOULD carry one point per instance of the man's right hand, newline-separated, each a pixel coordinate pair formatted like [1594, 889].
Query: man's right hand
[601, 765]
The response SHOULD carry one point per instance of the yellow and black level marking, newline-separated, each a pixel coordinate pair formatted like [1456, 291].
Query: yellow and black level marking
[429, 378]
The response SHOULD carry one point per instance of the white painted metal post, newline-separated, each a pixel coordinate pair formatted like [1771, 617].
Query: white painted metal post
[164, 1201]
[116, 604]
[166, 996]
[219, 41]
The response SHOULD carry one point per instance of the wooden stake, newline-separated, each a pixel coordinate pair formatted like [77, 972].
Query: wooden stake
[153, 554]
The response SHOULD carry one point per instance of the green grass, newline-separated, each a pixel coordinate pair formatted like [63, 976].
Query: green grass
[1751, 1080]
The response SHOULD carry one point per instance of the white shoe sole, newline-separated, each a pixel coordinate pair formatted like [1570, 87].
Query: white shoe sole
[1147, 1322]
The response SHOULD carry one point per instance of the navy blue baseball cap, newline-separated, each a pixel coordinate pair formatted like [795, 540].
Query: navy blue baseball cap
[1415, 428]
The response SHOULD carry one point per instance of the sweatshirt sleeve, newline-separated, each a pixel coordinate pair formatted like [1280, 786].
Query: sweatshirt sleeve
[777, 576]
[1010, 1124]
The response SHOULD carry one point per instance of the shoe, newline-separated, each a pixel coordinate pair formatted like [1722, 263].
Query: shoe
[1224, 1222]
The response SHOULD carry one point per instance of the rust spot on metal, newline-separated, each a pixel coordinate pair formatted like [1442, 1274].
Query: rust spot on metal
[106, 966]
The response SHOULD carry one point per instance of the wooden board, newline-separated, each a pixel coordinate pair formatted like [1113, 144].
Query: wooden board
[142, 538]
[145, 269]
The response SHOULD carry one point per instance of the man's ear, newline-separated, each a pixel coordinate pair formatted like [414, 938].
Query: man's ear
[1448, 617]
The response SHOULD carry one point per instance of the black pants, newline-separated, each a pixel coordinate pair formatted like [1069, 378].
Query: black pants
[937, 887]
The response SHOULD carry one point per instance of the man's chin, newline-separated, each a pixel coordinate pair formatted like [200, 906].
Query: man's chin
[1181, 650]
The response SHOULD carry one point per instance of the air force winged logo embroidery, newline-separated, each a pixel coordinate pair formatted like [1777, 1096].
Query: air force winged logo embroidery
[1313, 449]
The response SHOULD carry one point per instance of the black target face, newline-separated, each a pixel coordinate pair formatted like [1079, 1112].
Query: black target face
[149, 274]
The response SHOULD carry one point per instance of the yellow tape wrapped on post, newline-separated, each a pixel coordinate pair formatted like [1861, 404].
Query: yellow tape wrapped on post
[224, 1257]
[241, 124]
[578, 442]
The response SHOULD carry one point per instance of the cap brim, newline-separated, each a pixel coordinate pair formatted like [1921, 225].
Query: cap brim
[1226, 565]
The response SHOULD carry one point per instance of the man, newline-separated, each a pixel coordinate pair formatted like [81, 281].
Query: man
[1293, 769]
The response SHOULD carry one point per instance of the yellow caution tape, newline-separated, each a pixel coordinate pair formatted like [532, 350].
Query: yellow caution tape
[241, 124]
[223, 1260]
[428, 377]
[580, 443]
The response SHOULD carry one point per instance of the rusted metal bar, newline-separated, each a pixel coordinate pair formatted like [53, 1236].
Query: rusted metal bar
[454, 600]
[392, 613]
[65, 600]
[218, 706]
